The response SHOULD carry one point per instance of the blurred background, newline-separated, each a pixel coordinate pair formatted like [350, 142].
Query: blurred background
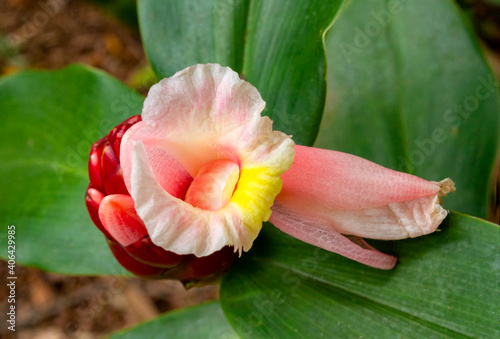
[50, 34]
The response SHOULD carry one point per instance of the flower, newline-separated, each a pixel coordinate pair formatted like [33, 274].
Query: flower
[204, 169]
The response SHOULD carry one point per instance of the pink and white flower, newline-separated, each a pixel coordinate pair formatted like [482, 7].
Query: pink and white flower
[204, 170]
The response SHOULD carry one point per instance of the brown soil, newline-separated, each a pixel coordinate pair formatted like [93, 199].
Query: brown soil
[41, 36]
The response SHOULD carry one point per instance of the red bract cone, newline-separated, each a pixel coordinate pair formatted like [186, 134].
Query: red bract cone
[112, 210]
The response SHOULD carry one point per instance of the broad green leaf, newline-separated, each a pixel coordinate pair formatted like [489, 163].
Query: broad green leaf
[123, 10]
[275, 45]
[408, 88]
[49, 122]
[177, 34]
[205, 321]
[444, 286]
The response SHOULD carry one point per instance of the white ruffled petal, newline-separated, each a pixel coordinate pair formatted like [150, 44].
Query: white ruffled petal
[203, 115]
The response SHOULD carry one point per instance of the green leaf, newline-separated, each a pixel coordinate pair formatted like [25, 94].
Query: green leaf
[409, 88]
[123, 10]
[275, 45]
[177, 34]
[445, 285]
[49, 122]
[205, 321]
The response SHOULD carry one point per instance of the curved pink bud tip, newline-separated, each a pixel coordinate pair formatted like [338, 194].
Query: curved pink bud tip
[117, 214]
[214, 185]
[328, 194]
[358, 197]
[313, 233]
[321, 179]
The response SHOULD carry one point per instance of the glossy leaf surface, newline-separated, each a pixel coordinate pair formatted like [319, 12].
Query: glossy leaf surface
[204, 321]
[409, 88]
[443, 286]
[49, 121]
